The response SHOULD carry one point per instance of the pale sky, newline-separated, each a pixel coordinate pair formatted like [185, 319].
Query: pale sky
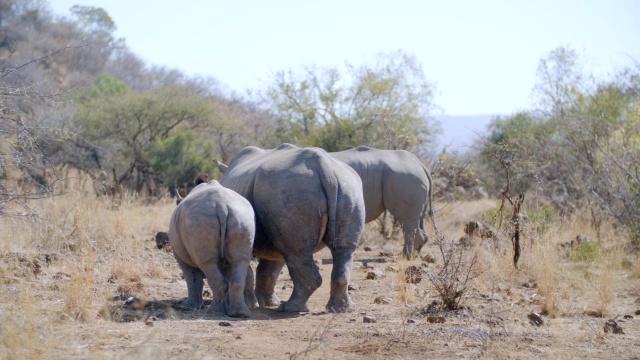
[482, 55]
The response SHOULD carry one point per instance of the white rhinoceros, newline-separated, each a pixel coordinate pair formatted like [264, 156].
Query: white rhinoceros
[303, 200]
[397, 181]
[211, 233]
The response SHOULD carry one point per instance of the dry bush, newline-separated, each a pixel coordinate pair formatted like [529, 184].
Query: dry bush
[79, 293]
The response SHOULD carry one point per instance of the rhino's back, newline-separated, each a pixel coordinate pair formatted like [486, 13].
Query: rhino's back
[195, 227]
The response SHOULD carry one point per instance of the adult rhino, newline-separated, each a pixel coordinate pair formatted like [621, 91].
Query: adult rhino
[211, 233]
[304, 200]
[397, 181]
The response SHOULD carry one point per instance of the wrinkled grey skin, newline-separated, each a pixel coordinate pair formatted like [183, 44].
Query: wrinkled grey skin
[211, 233]
[304, 200]
[397, 181]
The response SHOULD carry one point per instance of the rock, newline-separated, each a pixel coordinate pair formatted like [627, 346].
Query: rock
[429, 259]
[207, 294]
[638, 301]
[369, 319]
[382, 300]
[535, 319]
[612, 325]
[150, 320]
[410, 321]
[413, 274]
[353, 287]
[366, 248]
[637, 312]
[593, 313]
[392, 268]
[225, 323]
[375, 274]
[531, 284]
[436, 319]
[385, 253]
[628, 317]
[162, 239]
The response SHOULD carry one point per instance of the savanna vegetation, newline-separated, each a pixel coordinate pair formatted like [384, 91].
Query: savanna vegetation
[93, 140]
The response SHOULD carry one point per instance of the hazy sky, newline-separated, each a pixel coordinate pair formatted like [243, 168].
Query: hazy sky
[482, 55]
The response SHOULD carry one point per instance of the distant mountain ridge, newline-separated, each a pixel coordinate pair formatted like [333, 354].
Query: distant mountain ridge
[461, 131]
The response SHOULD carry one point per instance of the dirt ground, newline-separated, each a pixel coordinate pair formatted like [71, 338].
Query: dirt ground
[132, 313]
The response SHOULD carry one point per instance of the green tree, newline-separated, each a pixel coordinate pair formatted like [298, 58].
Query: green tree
[387, 104]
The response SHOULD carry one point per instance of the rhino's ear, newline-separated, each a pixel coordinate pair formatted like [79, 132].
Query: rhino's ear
[222, 167]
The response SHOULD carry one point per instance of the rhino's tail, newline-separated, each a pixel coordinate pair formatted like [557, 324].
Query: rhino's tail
[223, 215]
[429, 207]
[331, 187]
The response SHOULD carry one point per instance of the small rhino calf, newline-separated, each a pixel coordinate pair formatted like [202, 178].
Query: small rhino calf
[211, 233]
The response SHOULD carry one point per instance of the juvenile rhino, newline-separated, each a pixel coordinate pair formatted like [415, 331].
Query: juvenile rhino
[397, 181]
[304, 200]
[211, 233]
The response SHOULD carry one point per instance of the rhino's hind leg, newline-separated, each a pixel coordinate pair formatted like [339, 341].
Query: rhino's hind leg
[414, 238]
[249, 291]
[306, 279]
[266, 276]
[339, 300]
[194, 279]
[218, 286]
[236, 305]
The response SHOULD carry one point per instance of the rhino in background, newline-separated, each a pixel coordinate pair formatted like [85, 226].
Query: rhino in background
[397, 181]
[304, 200]
[211, 233]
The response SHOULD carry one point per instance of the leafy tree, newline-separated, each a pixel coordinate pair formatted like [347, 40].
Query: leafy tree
[386, 104]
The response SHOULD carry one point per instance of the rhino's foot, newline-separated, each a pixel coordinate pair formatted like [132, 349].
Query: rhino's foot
[239, 311]
[340, 306]
[265, 300]
[190, 305]
[217, 307]
[293, 306]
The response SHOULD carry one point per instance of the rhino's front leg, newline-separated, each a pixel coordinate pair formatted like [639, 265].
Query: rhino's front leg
[266, 276]
[339, 300]
[194, 278]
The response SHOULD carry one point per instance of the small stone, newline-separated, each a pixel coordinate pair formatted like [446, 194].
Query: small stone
[593, 313]
[366, 248]
[637, 312]
[413, 274]
[429, 259]
[225, 323]
[411, 321]
[638, 301]
[612, 325]
[628, 317]
[353, 287]
[535, 319]
[382, 300]
[385, 253]
[375, 274]
[206, 294]
[436, 319]
[150, 320]
[369, 319]
[392, 268]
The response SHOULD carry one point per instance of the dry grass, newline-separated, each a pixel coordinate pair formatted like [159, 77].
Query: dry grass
[60, 272]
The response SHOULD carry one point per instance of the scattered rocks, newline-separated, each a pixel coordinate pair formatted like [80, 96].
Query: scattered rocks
[382, 300]
[535, 319]
[612, 326]
[375, 274]
[366, 248]
[369, 319]
[225, 323]
[436, 319]
[353, 287]
[413, 274]
[162, 240]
